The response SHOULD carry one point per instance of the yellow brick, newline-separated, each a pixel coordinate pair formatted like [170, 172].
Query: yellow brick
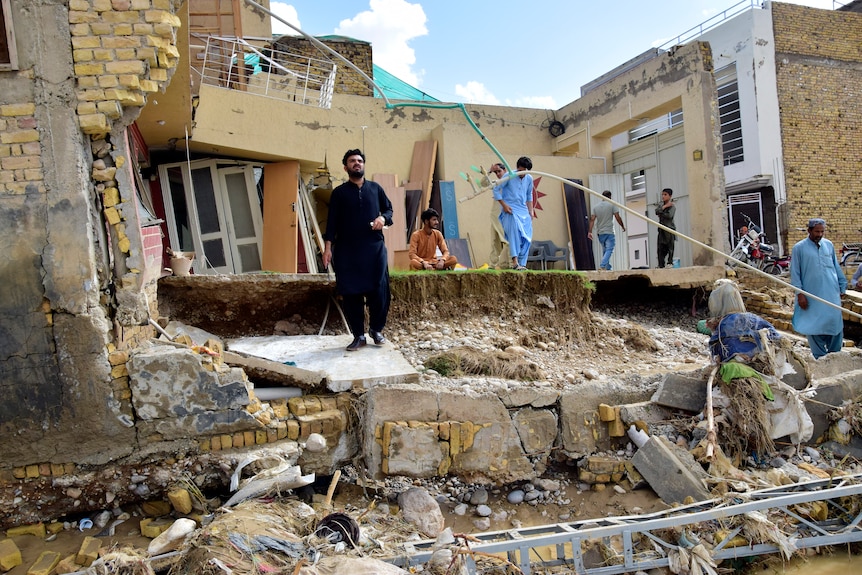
[271, 435]
[119, 371]
[152, 528]
[21, 162]
[67, 565]
[205, 444]
[125, 67]
[281, 430]
[70, 468]
[238, 440]
[127, 54]
[88, 82]
[108, 81]
[79, 30]
[121, 42]
[159, 74]
[44, 564]
[260, 436]
[86, 108]
[37, 529]
[181, 500]
[161, 4]
[80, 5]
[130, 81]
[297, 405]
[82, 56]
[142, 29]
[89, 69]
[10, 555]
[94, 124]
[149, 86]
[124, 29]
[328, 403]
[32, 471]
[312, 404]
[163, 29]
[88, 552]
[116, 357]
[162, 17]
[57, 469]
[81, 17]
[17, 110]
[92, 95]
[112, 110]
[226, 441]
[112, 215]
[19, 137]
[54, 527]
[292, 429]
[454, 438]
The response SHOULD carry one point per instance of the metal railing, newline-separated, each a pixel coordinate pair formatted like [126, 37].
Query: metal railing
[646, 541]
[235, 64]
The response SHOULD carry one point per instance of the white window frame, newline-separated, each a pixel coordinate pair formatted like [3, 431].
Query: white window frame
[9, 36]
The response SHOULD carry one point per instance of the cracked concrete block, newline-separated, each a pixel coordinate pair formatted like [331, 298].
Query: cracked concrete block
[672, 478]
[415, 451]
[685, 391]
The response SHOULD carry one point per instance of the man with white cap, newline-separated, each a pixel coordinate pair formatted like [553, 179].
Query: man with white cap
[815, 269]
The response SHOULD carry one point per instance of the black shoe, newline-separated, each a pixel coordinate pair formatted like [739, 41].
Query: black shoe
[357, 343]
[377, 337]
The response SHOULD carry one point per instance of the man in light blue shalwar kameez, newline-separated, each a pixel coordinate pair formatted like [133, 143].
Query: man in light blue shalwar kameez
[815, 269]
[515, 196]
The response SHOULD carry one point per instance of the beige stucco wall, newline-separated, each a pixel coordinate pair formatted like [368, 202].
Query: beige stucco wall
[270, 129]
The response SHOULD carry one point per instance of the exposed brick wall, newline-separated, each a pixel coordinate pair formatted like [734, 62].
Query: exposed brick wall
[20, 150]
[347, 80]
[122, 50]
[819, 76]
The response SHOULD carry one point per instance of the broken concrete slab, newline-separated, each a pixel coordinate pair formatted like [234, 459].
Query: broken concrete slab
[644, 411]
[833, 364]
[534, 396]
[668, 475]
[581, 432]
[344, 370]
[172, 393]
[832, 392]
[258, 368]
[686, 391]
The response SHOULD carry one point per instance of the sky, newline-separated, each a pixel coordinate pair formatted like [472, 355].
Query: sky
[532, 54]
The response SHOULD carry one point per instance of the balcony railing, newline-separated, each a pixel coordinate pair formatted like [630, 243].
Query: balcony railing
[235, 64]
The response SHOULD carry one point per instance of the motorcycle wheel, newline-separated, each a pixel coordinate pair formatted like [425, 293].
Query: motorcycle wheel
[851, 259]
[772, 269]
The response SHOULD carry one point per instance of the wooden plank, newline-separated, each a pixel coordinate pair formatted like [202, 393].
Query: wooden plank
[280, 231]
[396, 234]
[422, 168]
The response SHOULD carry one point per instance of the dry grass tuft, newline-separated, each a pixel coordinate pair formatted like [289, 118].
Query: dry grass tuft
[461, 361]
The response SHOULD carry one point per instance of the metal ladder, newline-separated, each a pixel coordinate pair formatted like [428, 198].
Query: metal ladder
[566, 539]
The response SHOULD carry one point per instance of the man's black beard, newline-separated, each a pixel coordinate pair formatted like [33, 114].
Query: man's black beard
[356, 173]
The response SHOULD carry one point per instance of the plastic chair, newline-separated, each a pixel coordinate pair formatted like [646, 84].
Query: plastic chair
[537, 254]
[555, 254]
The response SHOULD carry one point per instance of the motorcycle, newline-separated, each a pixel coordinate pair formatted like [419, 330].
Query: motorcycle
[777, 266]
[751, 247]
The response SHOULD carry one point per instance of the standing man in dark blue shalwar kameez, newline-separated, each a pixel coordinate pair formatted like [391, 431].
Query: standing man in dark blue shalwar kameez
[353, 242]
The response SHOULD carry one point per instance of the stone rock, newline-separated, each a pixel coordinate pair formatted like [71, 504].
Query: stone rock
[479, 496]
[515, 497]
[460, 509]
[315, 443]
[483, 511]
[482, 523]
[422, 510]
[547, 484]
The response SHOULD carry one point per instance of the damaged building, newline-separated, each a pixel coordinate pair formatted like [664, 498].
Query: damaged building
[130, 131]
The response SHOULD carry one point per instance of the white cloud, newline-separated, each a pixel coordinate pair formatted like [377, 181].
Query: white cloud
[287, 12]
[390, 25]
[546, 102]
[476, 93]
